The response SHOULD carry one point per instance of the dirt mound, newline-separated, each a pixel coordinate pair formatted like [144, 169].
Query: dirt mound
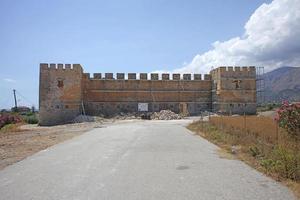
[165, 115]
[88, 118]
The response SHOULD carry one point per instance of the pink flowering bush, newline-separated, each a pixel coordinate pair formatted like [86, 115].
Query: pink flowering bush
[8, 119]
[288, 117]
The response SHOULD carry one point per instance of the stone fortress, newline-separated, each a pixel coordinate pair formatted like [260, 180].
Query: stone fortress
[66, 91]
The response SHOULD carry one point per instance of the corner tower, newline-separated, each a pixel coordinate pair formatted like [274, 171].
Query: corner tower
[234, 90]
[60, 93]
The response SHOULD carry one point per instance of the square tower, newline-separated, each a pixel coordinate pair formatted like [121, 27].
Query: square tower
[234, 90]
[60, 93]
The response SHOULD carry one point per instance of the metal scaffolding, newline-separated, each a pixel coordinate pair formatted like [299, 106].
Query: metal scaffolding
[260, 86]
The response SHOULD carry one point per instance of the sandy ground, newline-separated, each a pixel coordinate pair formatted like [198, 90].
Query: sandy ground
[15, 146]
[270, 113]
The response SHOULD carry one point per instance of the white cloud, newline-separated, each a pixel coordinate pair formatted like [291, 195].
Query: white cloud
[9, 80]
[271, 39]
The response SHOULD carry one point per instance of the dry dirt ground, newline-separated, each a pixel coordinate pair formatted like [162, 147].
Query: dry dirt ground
[29, 139]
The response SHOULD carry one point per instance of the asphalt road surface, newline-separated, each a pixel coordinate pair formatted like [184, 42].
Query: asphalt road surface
[136, 160]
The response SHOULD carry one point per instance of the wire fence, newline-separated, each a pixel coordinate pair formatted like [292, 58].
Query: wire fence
[265, 128]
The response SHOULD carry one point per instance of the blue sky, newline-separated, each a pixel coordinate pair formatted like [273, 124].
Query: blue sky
[109, 36]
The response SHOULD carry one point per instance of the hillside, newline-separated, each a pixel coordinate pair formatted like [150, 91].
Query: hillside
[282, 84]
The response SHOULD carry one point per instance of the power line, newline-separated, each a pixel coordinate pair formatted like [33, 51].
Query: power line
[28, 101]
[5, 103]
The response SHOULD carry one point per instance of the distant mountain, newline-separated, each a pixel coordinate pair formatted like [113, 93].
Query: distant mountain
[282, 84]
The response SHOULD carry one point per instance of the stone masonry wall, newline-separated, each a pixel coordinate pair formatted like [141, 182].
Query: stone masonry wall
[60, 93]
[110, 96]
[65, 92]
[234, 90]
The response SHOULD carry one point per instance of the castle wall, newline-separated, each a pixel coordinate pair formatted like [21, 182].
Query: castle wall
[60, 93]
[65, 92]
[114, 96]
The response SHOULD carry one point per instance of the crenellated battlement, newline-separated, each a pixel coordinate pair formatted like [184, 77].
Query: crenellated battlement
[148, 76]
[66, 91]
[130, 76]
[229, 71]
[59, 66]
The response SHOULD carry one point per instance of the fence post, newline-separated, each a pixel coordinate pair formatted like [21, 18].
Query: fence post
[245, 126]
[209, 122]
[277, 134]
[222, 125]
[202, 121]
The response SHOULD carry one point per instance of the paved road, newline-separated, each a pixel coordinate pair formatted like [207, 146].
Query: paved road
[136, 160]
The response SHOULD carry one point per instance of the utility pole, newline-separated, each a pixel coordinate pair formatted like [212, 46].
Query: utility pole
[16, 105]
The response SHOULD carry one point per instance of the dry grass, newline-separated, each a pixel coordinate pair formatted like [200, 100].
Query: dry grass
[263, 127]
[11, 128]
[261, 143]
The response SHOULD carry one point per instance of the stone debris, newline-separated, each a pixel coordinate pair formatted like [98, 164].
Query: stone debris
[165, 115]
[83, 118]
[123, 116]
[235, 149]
[88, 118]
[162, 115]
[207, 113]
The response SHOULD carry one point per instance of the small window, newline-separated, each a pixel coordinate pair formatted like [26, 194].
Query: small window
[57, 106]
[66, 106]
[60, 83]
[237, 84]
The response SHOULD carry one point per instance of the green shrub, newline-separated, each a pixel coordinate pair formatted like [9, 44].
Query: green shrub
[29, 114]
[31, 119]
[284, 162]
[270, 107]
[288, 162]
[269, 164]
[254, 151]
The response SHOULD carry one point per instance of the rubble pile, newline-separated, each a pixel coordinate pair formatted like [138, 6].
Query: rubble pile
[165, 115]
[124, 116]
[83, 118]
